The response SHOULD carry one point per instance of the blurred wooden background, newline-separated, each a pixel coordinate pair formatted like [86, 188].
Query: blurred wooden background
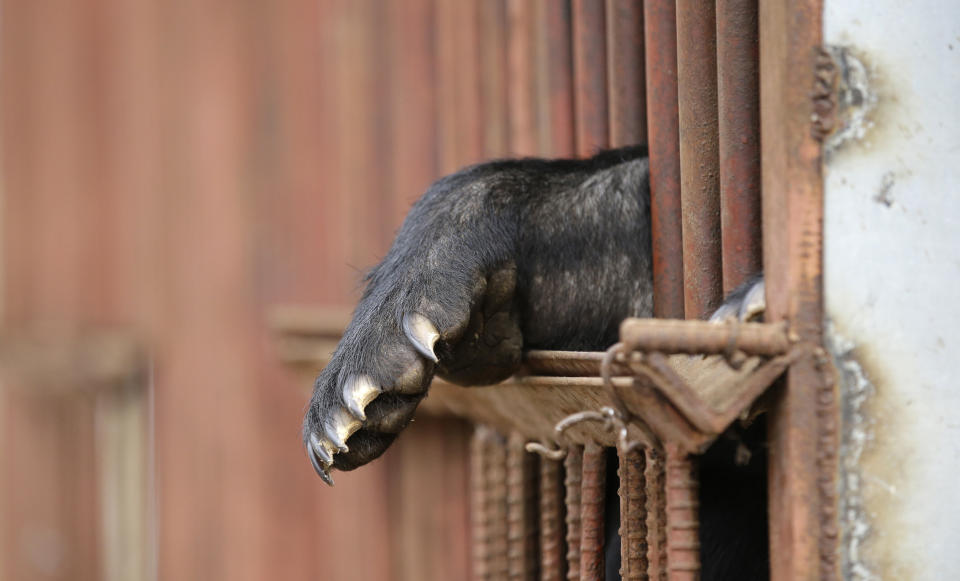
[174, 170]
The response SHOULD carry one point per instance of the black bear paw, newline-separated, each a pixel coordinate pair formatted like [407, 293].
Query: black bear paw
[466, 331]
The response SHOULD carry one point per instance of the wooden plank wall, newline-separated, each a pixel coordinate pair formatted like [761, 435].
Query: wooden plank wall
[177, 168]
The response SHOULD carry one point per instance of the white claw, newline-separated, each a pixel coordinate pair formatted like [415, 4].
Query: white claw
[724, 314]
[340, 427]
[755, 303]
[358, 391]
[422, 333]
[320, 448]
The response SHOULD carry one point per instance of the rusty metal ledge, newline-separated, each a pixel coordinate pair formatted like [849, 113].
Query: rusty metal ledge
[551, 385]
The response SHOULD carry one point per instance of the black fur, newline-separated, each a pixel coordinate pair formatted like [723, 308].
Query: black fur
[566, 243]
[519, 254]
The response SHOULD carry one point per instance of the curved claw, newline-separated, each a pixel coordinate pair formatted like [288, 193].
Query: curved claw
[755, 303]
[358, 392]
[422, 333]
[320, 450]
[318, 466]
[340, 427]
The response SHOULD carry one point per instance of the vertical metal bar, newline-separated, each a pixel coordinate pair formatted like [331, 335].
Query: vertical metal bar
[633, 516]
[654, 476]
[522, 555]
[803, 422]
[625, 56]
[573, 465]
[480, 503]
[555, 55]
[591, 513]
[590, 76]
[497, 506]
[683, 521]
[702, 255]
[660, 26]
[699, 159]
[552, 561]
[738, 95]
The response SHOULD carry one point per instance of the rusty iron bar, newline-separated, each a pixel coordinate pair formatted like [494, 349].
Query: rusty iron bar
[591, 511]
[665, 336]
[573, 466]
[633, 515]
[628, 97]
[654, 478]
[522, 558]
[480, 504]
[552, 561]
[555, 69]
[803, 424]
[496, 485]
[699, 158]
[683, 519]
[590, 76]
[702, 337]
[660, 48]
[738, 97]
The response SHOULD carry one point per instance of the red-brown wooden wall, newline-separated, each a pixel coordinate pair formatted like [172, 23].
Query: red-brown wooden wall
[175, 169]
